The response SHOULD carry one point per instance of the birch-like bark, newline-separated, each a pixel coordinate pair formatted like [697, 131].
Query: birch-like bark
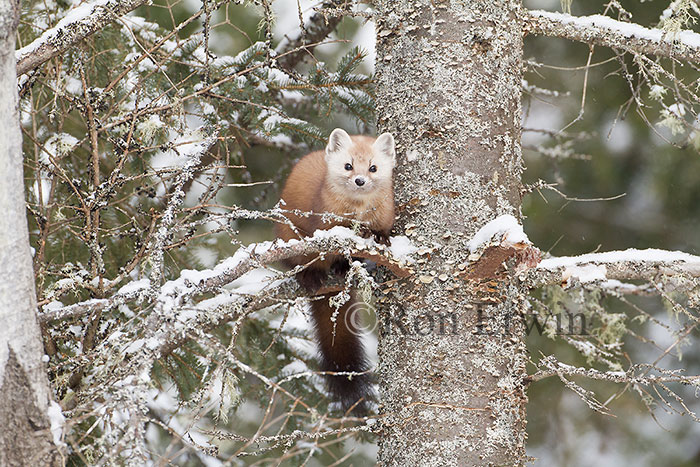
[26, 437]
[448, 88]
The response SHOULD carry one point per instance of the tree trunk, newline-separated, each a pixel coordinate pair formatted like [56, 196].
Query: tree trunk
[448, 88]
[26, 436]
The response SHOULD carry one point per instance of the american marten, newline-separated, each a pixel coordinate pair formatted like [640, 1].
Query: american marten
[353, 180]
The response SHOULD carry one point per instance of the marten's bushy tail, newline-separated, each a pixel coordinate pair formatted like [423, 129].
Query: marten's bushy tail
[342, 351]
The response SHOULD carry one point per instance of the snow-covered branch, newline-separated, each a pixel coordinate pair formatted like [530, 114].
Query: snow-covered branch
[605, 31]
[629, 264]
[78, 24]
[246, 260]
[174, 296]
[503, 238]
[194, 152]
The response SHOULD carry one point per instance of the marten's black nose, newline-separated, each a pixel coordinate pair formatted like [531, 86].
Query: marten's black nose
[359, 181]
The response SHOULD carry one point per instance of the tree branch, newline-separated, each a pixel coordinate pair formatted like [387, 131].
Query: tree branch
[660, 384]
[605, 31]
[319, 27]
[629, 264]
[637, 374]
[176, 292]
[78, 24]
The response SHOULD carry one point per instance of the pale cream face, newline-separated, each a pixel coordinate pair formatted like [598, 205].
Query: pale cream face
[359, 168]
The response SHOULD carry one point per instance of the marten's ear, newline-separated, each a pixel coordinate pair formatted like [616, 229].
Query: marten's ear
[384, 145]
[338, 141]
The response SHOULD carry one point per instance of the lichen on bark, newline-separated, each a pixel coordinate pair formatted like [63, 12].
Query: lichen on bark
[448, 88]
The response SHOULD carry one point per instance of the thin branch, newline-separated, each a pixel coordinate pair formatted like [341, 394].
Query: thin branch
[319, 27]
[639, 374]
[177, 196]
[636, 376]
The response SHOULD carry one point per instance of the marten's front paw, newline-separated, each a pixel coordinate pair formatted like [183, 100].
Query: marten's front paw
[310, 279]
[382, 237]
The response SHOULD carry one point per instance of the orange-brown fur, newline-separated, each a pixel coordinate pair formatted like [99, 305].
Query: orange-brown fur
[307, 190]
[311, 187]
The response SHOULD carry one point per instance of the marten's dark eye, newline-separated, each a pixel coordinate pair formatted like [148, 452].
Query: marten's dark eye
[348, 166]
[372, 168]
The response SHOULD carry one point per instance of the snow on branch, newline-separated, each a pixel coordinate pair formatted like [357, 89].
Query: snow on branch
[78, 24]
[495, 243]
[193, 151]
[175, 293]
[503, 238]
[189, 307]
[505, 227]
[605, 31]
[629, 264]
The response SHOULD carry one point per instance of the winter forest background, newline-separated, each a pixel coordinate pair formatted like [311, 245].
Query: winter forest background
[202, 85]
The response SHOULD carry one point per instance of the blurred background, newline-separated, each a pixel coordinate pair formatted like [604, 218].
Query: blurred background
[616, 148]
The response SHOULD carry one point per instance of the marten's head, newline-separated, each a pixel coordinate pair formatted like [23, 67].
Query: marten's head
[360, 165]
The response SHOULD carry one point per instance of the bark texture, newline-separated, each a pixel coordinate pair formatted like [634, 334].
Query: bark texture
[452, 356]
[26, 438]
